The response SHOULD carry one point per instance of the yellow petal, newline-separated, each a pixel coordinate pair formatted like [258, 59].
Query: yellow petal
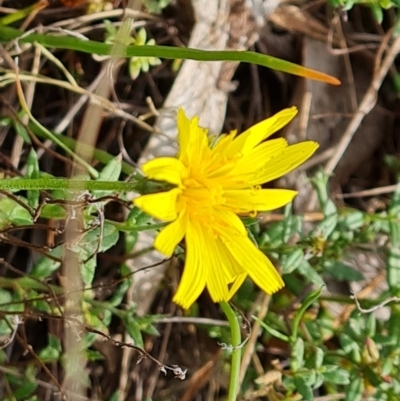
[223, 141]
[286, 161]
[171, 235]
[183, 131]
[162, 205]
[226, 220]
[231, 267]
[255, 263]
[249, 200]
[194, 277]
[237, 284]
[166, 169]
[215, 265]
[245, 142]
[193, 141]
[258, 157]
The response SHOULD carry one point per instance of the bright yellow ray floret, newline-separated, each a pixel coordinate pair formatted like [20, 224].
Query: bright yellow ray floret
[214, 184]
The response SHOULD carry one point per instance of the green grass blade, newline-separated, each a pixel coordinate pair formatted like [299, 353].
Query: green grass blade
[168, 52]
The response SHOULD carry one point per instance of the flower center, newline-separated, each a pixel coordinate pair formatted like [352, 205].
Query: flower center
[200, 196]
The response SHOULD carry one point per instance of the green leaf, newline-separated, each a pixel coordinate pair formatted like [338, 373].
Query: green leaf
[110, 237]
[8, 34]
[371, 325]
[46, 266]
[21, 131]
[133, 330]
[393, 330]
[114, 396]
[93, 356]
[12, 213]
[121, 290]
[292, 261]
[350, 347]
[377, 12]
[53, 212]
[393, 269]
[6, 326]
[393, 260]
[110, 172]
[303, 388]
[327, 226]
[111, 30]
[355, 389]
[156, 6]
[337, 376]
[131, 239]
[342, 271]
[273, 237]
[297, 360]
[291, 224]
[137, 217]
[24, 386]
[316, 359]
[52, 352]
[88, 271]
[319, 379]
[97, 240]
[353, 220]
[306, 270]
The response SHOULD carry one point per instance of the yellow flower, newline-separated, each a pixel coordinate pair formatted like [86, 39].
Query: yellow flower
[215, 183]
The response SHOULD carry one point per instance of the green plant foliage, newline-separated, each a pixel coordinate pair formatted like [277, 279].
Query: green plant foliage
[314, 352]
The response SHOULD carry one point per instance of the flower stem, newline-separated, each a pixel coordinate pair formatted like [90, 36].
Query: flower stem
[141, 186]
[236, 352]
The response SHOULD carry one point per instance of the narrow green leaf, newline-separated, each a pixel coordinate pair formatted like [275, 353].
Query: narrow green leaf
[8, 34]
[271, 330]
[310, 299]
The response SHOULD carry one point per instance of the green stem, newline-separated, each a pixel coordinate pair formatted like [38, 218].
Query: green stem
[141, 186]
[236, 352]
[305, 304]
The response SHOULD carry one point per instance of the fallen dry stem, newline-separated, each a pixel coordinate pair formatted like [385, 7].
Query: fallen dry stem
[252, 341]
[366, 105]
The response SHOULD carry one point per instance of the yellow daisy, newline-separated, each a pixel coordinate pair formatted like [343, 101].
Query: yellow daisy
[215, 183]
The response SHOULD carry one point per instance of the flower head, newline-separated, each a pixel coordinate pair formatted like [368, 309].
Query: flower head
[215, 184]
